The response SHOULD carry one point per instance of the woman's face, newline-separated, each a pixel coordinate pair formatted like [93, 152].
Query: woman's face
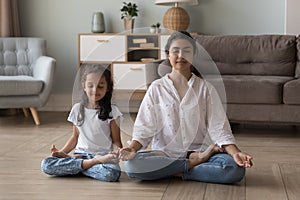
[181, 54]
[95, 87]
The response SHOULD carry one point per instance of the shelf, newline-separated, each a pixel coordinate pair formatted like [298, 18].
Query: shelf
[142, 48]
[137, 55]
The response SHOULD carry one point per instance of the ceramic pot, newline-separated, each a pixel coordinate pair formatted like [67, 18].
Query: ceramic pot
[152, 30]
[98, 25]
[128, 24]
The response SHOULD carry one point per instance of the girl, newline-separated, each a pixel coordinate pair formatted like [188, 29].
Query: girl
[96, 132]
[177, 114]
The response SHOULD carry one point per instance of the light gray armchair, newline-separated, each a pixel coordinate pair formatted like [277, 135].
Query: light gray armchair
[26, 74]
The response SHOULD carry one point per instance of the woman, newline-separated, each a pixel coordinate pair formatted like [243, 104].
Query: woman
[178, 114]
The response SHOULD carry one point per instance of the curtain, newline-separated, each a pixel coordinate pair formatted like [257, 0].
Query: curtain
[9, 18]
[9, 27]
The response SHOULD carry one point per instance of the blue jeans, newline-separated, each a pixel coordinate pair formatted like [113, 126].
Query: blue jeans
[71, 166]
[220, 168]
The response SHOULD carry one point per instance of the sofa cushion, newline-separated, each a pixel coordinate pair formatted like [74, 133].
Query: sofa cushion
[291, 92]
[245, 89]
[282, 113]
[151, 70]
[164, 68]
[297, 73]
[20, 85]
[251, 55]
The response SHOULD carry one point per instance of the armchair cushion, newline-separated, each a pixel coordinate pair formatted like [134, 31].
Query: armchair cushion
[17, 55]
[20, 85]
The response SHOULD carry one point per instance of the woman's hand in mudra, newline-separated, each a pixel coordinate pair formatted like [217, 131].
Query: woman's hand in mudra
[243, 159]
[127, 153]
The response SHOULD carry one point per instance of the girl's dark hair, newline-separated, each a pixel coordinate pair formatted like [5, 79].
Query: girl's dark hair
[186, 36]
[105, 103]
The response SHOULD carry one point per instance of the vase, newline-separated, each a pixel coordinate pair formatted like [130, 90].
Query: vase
[98, 25]
[128, 24]
[152, 30]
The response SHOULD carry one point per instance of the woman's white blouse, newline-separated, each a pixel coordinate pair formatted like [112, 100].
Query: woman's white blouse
[176, 126]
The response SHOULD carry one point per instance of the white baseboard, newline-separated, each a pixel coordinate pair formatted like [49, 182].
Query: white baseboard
[63, 103]
[58, 102]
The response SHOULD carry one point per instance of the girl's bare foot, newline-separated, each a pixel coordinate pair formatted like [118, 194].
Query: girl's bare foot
[60, 154]
[108, 158]
[98, 159]
[197, 158]
[57, 153]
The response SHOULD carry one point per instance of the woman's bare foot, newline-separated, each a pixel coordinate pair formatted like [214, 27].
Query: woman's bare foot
[197, 158]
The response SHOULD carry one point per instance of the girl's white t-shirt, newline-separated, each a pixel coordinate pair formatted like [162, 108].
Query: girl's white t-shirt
[94, 134]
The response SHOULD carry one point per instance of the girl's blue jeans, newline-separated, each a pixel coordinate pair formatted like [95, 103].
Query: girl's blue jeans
[220, 168]
[71, 166]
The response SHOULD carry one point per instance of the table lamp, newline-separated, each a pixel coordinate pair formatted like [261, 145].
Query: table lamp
[176, 18]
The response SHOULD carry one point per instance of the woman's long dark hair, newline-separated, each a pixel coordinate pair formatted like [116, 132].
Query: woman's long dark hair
[104, 108]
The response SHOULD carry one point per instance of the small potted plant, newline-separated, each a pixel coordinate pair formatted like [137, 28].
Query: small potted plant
[154, 28]
[128, 12]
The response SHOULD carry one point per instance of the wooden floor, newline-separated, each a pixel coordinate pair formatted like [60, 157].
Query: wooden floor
[275, 175]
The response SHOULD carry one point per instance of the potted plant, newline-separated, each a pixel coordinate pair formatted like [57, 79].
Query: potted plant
[128, 12]
[154, 28]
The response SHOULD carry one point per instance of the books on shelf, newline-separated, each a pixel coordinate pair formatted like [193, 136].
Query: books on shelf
[142, 43]
[147, 59]
[147, 45]
[139, 40]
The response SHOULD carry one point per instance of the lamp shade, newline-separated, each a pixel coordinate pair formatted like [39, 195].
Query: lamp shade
[172, 2]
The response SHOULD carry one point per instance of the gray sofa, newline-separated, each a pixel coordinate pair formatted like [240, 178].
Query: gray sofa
[261, 75]
[26, 74]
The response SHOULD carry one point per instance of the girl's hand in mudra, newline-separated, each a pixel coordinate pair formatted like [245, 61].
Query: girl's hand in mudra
[111, 157]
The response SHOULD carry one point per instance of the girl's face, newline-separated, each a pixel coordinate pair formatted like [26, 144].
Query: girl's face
[181, 54]
[95, 87]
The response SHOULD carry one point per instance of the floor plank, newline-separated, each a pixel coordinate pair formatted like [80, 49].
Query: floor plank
[180, 190]
[264, 181]
[291, 178]
[226, 192]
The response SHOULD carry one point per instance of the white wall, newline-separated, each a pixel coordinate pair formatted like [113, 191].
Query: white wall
[292, 20]
[60, 21]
